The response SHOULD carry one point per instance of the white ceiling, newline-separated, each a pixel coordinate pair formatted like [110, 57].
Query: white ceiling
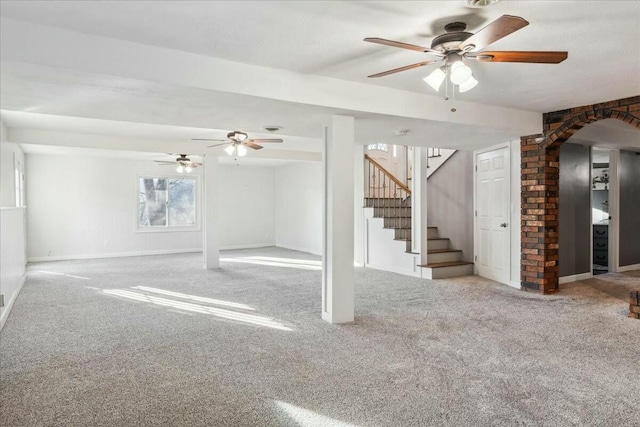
[325, 38]
[317, 38]
[607, 134]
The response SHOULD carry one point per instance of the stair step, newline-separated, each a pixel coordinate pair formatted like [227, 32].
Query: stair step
[444, 255]
[397, 222]
[440, 251]
[375, 202]
[443, 270]
[446, 264]
[397, 212]
[402, 233]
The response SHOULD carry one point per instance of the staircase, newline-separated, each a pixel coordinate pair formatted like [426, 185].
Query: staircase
[443, 261]
[391, 201]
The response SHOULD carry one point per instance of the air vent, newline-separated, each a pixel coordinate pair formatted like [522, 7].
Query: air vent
[481, 3]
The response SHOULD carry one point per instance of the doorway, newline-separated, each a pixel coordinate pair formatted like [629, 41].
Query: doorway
[492, 184]
[600, 213]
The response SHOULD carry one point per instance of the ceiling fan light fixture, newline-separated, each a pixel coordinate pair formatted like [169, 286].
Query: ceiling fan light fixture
[188, 169]
[469, 84]
[242, 151]
[436, 78]
[460, 73]
[230, 149]
[180, 169]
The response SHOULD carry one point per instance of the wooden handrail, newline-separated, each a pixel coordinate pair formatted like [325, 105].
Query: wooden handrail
[388, 174]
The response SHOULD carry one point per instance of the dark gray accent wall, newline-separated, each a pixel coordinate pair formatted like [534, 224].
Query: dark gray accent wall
[575, 209]
[450, 202]
[629, 208]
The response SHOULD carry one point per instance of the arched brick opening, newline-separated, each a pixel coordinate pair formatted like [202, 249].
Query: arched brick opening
[540, 172]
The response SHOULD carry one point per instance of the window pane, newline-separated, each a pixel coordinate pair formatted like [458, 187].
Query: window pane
[182, 202]
[152, 206]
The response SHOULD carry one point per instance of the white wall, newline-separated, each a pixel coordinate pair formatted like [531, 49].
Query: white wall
[247, 201]
[12, 228]
[8, 150]
[299, 197]
[81, 207]
[84, 207]
[450, 202]
[12, 257]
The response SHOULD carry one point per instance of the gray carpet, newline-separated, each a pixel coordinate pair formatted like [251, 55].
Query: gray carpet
[160, 341]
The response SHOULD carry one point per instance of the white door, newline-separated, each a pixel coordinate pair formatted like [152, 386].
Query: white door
[492, 206]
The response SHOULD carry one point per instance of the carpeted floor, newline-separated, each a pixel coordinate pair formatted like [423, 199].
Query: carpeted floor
[160, 341]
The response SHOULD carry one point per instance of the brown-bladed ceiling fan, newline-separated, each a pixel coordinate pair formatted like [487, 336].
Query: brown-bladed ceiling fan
[456, 45]
[238, 141]
[183, 163]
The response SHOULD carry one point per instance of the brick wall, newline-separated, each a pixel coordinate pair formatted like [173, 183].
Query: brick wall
[634, 304]
[540, 169]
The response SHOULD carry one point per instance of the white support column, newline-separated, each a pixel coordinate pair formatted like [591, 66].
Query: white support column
[419, 235]
[338, 228]
[358, 202]
[210, 213]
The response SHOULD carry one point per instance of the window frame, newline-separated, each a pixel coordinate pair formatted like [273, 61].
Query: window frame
[169, 228]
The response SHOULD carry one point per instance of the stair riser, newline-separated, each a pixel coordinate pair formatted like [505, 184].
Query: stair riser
[446, 272]
[402, 233]
[391, 212]
[439, 244]
[445, 257]
[383, 203]
[432, 233]
[397, 223]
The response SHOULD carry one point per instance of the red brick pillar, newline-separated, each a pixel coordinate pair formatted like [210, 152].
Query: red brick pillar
[634, 304]
[539, 220]
[540, 185]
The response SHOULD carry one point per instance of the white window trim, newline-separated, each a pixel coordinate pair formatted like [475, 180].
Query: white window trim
[174, 228]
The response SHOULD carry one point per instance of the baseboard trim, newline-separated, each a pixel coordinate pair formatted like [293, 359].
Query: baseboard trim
[114, 255]
[9, 305]
[300, 249]
[575, 278]
[624, 268]
[252, 246]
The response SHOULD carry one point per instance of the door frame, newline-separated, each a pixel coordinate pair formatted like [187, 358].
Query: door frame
[510, 207]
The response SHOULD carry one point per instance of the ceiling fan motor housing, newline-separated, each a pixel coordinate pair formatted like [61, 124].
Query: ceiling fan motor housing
[450, 41]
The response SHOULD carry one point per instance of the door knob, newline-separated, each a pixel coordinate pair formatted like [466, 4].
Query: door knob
[503, 225]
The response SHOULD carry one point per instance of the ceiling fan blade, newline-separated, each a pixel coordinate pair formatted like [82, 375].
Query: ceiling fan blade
[262, 140]
[207, 139]
[195, 164]
[250, 144]
[217, 145]
[520, 56]
[493, 32]
[401, 45]
[407, 67]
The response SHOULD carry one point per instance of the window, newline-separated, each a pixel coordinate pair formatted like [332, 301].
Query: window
[379, 147]
[19, 182]
[165, 202]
